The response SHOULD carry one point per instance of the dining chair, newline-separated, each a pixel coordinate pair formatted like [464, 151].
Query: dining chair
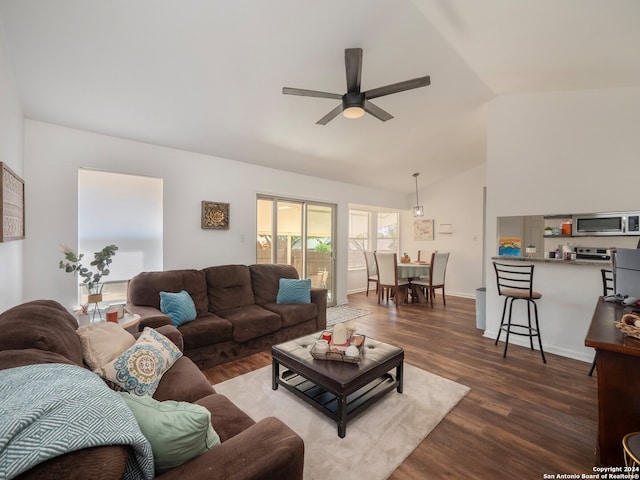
[607, 289]
[387, 266]
[425, 256]
[436, 278]
[372, 271]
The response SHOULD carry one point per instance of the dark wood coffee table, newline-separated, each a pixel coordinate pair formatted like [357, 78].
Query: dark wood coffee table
[340, 390]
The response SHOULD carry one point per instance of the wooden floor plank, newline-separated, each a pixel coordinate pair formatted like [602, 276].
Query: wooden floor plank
[522, 418]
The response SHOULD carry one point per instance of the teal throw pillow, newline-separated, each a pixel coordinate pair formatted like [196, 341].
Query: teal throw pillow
[294, 291]
[177, 431]
[179, 307]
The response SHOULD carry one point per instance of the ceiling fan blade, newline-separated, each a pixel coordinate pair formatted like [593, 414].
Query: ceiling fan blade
[376, 111]
[310, 93]
[353, 66]
[330, 116]
[398, 87]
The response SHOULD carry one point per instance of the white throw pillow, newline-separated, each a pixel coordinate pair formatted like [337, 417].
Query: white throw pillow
[102, 342]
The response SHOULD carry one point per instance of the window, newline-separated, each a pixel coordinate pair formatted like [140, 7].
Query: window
[371, 230]
[387, 229]
[358, 237]
[125, 210]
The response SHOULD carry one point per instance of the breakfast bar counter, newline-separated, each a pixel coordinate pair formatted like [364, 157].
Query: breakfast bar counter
[557, 261]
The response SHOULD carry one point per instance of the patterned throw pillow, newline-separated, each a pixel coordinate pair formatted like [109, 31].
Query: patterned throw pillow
[294, 291]
[179, 307]
[138, 370]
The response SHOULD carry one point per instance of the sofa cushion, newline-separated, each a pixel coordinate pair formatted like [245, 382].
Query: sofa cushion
[144, 289]
[294, 291]
[294, 314]
[251, 322]
[207, 329]
[227, 419]
[265, 280]
[42, 324]
[102, 342]
[138, 369]
[228, 286]
[183, 382]
[179, 307]
[177, 431]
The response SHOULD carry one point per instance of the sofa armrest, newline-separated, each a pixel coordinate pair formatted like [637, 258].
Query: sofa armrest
[267, 450]
[173, 334]
[319, 297]
[149, 316]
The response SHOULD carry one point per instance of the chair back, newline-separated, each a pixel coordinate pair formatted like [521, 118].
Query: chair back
[514, 279]
[387, 264]
[607, 282]
[370, 261]
[424, 256]
[438, 268]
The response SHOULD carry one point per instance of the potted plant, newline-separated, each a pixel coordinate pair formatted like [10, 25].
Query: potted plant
[548, 230]
[405, 258]
[91, 278]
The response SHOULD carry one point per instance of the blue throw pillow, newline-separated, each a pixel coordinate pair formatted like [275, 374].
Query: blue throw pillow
[179, 307]
[294, 291]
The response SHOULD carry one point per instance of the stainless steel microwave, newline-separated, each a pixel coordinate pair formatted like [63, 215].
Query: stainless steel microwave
[616, 223]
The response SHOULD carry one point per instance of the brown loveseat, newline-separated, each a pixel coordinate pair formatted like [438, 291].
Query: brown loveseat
[237, 312]
[43, 332]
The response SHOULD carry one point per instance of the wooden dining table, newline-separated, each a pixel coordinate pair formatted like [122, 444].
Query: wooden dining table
[413, 271]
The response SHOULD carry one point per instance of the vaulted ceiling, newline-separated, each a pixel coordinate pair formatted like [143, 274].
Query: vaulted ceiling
[207, 75]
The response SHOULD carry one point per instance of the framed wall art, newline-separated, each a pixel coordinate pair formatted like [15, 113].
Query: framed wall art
[11, 205]
[215, 215]
[423, 229]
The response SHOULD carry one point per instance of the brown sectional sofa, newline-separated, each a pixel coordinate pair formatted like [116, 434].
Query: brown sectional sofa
[43, 332]
[237, 312]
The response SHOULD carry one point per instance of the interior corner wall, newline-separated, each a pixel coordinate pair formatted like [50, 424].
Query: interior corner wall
[11, 137]
[457, 201]
[53, 154]
[558, 153]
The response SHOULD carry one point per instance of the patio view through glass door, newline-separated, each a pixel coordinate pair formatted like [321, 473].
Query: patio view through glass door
[298, 233]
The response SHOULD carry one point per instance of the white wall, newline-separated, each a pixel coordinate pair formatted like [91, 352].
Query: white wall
[11, 253]
[459, 202]
[53, 155]
[560, 152]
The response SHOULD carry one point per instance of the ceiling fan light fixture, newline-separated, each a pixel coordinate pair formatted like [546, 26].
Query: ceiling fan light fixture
[353, 112]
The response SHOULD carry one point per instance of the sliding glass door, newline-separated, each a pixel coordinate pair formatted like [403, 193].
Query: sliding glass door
[298, 233]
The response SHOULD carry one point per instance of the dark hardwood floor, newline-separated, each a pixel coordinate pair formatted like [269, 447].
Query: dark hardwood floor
[522, 418]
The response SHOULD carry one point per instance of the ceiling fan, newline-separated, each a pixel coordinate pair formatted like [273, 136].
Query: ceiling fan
[354, 102]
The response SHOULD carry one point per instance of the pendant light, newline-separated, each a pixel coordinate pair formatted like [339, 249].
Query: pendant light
[418, 210]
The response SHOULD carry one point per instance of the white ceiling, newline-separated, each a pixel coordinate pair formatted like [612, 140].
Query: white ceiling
[207, 75]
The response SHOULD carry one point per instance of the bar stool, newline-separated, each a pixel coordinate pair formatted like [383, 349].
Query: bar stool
[631, 447]
[515, 282]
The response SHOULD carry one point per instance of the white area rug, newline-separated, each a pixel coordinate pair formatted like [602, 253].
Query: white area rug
[377, 441]
[342, 313]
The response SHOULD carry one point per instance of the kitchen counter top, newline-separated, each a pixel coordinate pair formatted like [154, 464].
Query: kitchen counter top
[508, 258]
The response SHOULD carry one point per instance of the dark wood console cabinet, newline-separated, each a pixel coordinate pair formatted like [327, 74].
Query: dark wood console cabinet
[618, 371]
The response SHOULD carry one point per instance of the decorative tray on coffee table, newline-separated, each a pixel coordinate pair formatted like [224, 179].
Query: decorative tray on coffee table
[337, 352]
